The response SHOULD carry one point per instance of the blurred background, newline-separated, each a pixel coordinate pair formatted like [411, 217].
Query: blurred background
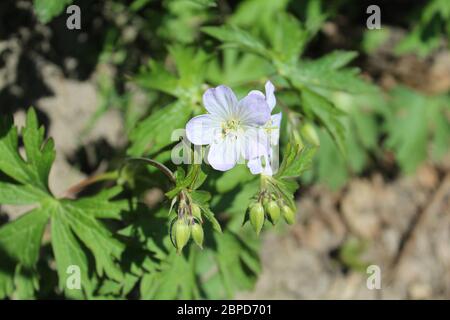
[386, 203]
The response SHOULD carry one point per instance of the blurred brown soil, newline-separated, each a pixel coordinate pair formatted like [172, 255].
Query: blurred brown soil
[304, 264]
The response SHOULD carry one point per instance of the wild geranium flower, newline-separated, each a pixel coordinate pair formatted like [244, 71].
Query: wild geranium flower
[231, 127]
[264, 164]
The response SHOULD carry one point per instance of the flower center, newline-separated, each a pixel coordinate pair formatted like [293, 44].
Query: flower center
[231, 126]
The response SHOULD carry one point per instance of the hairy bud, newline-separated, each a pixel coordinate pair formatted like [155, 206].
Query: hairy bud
[288, 214]
[273, 211]
[181, 233]
[257, 217]
[196, 212]
[197, 234]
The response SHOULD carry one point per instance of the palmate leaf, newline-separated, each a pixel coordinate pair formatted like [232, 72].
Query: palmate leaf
[323, 111]
[415, 121]
[19, 251]
[155, 76]
[362, 133]
[287, 38]
[165, 274]
[40, 153]
[175, 278]
[297, 159]
[327, 73]
[257, 12]
[185, 82]
[238, 263]
[155, 132]
[75, 227]
[233, 36]
[238, 68]
[429, 31]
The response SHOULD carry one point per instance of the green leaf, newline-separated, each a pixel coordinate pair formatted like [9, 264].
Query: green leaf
[95, 236]
[20, 242]
[175, 279]
[373, 39]
[46, 10]
[17, 194]
[68, 252]
[326, 73]
[205, 3]
[296, 160]
[260, 13]
[315, 17]
[330, 166]
[209, 215]
[156, 77]
[186, 84]
[287, 37]
[232, 178]
[233, 36]
[238, 263]
[40, 154]
[200, 196]
[191, 65]
[441, 136]
[74, 222]
[155, 132]
[327, 114]
[429, 31]
[362, 134]
[413, 122]
[238, 68]
[193, 180]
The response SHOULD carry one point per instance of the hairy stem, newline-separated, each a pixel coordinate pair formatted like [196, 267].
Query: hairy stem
[112, 175]
[157, 165]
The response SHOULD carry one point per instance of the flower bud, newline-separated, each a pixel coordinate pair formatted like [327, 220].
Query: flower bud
[257, 217]
[288, 214]
[273, 210]
[309, 132]
[182, 233]
[196, 212]
[197, 234]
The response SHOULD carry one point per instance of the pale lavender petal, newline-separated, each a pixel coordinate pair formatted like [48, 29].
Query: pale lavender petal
[255, 165]
[201, 130]
[276, 119]
[275, 125]
[270, 96]
[258, 93]
[253, 110]
[255, 143]
[220, 101]
[223, 155]
[267, 170]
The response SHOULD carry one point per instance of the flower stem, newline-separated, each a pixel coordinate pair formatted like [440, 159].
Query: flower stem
[111, 175]
[157, 165]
